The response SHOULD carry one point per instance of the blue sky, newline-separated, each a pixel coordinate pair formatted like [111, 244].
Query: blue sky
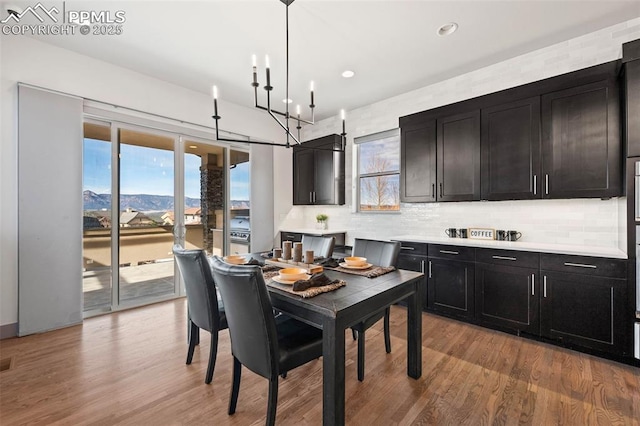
[149, 171]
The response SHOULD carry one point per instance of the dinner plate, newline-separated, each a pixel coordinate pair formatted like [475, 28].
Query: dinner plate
[280, 280]
[365, 266]
[231, 263]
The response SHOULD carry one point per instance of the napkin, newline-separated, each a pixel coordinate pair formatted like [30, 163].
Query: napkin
[331, 262]
[318, 280]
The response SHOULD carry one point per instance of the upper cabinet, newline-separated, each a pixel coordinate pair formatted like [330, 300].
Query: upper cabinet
[418, 163]
[318, 172]
[511, 150]
[458, 155]
[581, 141]
[555, 138]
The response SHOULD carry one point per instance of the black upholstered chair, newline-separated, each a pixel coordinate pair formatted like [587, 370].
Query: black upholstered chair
[322, 246]
[267, 345]
[205, 309]
[379, 253]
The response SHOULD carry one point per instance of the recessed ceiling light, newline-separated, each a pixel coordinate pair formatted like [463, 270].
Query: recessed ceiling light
[193, 146]
[287, 101]
[447, 29]
[348, 73]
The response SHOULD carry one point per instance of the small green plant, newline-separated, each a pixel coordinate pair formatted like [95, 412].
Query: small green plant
[321, 217]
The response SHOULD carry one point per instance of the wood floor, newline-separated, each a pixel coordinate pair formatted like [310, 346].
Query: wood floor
[128, 369]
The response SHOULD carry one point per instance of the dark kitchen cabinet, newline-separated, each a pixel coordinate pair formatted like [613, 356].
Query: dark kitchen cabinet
[507, 290]
[583, 301]
[581, 141]
[510, 150]
[631, 60]
[418, 163]
[318, 172]
[450, 281]
[413, 257]
[458, 157]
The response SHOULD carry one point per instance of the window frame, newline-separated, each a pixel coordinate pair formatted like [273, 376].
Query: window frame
[358, 177]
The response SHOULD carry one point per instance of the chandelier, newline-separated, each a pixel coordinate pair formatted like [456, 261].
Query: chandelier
[291, 139]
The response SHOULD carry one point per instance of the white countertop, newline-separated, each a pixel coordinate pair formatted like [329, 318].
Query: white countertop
[519, 245]
[314, 231]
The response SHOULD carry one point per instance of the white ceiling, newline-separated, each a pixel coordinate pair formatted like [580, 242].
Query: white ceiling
[391, 45]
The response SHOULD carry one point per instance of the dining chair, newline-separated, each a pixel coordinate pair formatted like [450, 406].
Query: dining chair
[266, 344]
[205, 310]
[322, 246]
[379, 253]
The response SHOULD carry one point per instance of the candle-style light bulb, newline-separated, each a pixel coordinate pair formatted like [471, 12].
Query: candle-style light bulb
[342, 114]
[266, 60]
[254, 61]
[215, 92]
[215, 104]
[255, 70]
[311, 89]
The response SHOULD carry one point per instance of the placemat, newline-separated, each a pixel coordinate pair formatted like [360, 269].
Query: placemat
[310, 292]
[374, 271]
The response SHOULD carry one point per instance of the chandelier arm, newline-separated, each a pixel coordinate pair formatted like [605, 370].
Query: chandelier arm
[286, 129]
[302, 120]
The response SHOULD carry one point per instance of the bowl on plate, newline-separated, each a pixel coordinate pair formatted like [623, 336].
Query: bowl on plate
[235, 259]
[355, 261]
[293, 274]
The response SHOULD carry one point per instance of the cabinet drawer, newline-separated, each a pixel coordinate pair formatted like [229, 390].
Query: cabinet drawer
[597, 266]
[413, 248]
[460, 253]
[522, 259]
[295, 237]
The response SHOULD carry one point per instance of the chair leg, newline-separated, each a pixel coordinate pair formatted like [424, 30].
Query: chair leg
[361, 356]
[284, 375]
[194, 337]
[235, 386]
[273, 401]
[213, 353]
[354, 334]
[387, 336]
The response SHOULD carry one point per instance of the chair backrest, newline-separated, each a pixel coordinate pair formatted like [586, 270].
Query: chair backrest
[202, 298]
[252, 327]
[379, 253]
[321, 246]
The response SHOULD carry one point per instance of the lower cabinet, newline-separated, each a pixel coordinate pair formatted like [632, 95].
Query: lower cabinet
[584, 309]
[413, 257]
[507, 296]
[450, 281]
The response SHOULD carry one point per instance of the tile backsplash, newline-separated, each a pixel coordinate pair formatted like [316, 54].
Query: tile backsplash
[588, 222]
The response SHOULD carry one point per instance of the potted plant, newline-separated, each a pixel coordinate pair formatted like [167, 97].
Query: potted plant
[321, 220]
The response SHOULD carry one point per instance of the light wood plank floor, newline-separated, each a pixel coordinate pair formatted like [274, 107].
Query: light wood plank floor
[128, 369]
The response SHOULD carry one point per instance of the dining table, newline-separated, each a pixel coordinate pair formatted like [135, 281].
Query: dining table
[336, 311]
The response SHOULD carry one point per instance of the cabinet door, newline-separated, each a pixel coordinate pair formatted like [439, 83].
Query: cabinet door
[581, 142]
[458, 151]
[510, 150]
[508, 297]
[414, 263]
[303, 175]
[294, 237]
[632, 106]
[450, 288]
[324, 177]
[418, 163]
[584, 310]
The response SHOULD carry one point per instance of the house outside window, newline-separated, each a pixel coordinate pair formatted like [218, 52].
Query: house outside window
[379, 172]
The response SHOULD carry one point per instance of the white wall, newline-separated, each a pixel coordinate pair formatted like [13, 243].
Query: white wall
[591, 222]
[26, 60]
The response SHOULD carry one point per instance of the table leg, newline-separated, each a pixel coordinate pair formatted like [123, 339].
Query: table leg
[414, 333]
[333, 373]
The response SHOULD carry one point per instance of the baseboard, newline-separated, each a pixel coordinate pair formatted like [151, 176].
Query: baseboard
[8, 330]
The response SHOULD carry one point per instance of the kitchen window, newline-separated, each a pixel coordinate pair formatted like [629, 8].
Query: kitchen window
[378, 168]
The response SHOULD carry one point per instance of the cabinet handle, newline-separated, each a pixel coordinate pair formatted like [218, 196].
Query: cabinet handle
[406, 248]
[433, 190]
[533, 284]
[310, 197]
[546, 184]
[290, 236]
[580, 265]
[429, 269]
[535, 184]
[440, 189]
[544, 286]
[314, 197]
[449, 252]
[422, 266]
[504, 258]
